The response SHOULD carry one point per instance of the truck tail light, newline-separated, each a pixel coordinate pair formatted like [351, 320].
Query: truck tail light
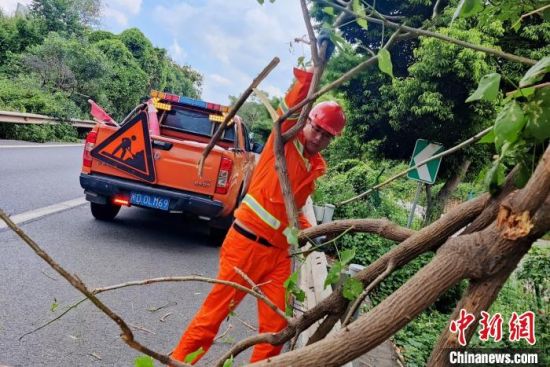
[121, 200]
[88, 146]
[223, 176]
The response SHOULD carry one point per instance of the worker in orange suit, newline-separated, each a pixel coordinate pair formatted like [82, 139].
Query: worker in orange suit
[257, 243]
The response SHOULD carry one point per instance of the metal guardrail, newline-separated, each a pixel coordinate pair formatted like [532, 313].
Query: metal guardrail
[31, 118]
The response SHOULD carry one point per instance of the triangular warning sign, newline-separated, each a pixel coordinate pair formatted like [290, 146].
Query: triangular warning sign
[129, 149]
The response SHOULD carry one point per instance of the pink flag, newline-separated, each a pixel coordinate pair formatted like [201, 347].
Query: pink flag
[99, 114]
[154, 128]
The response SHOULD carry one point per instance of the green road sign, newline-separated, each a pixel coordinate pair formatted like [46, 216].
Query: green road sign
[423, 150]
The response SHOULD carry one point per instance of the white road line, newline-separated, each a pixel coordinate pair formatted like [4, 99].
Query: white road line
[40, 146]
[40, 212]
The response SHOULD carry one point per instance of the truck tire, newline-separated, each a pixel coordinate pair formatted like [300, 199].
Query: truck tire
[106, 212]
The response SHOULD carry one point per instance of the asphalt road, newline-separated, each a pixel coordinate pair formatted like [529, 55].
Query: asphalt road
[138, 244]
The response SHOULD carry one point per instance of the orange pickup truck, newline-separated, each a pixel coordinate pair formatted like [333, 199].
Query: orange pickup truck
[150, 160]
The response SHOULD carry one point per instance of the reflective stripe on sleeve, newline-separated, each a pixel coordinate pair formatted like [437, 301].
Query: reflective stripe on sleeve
[284, 108]
[260, 211]
[300, 147]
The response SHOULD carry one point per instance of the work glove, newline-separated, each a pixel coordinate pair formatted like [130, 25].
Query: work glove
[324, 37]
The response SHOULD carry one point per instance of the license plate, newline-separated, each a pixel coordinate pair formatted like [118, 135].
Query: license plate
[150, 201]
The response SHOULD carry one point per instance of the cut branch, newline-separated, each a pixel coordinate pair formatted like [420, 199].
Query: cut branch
[469, 256]
[382, 227]
[367, 290]
[127, 335]
[428, 239]
[234, 110]
[280, 159]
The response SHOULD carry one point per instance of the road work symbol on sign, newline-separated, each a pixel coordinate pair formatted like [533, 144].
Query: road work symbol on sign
[423, 150]
[129, 149]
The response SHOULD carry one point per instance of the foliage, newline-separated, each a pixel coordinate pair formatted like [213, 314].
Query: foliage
[256, 117]
[66, 16]
[522, 123]
[52, 62]
[417, 338]
[517, 297]
[533, 272]
[292, 290]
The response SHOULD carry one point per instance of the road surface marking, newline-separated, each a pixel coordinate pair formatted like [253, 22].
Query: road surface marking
[41, 212]
[40, 146]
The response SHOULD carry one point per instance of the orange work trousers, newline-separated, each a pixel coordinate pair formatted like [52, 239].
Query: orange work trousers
[269, 266]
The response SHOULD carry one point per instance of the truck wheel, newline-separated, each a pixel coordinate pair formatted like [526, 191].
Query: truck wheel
[105, 212]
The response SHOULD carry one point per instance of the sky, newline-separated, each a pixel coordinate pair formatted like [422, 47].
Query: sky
[228, 42]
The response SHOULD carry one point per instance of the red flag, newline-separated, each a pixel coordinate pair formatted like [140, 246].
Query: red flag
[99, 114]
[154, 128]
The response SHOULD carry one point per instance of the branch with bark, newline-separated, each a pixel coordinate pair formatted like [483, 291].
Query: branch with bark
[524, 216]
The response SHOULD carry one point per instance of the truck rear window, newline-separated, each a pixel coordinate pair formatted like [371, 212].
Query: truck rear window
[195, 122]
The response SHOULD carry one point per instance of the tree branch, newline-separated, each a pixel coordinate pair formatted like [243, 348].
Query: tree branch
[471, 255]
[280, 160]
[367, 290]
[234, 110]
[422, 32]
[127, 335]
[471, 140]
[427, 239]
[382, 227]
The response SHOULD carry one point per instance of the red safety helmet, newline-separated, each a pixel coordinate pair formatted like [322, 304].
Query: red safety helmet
[329, 116]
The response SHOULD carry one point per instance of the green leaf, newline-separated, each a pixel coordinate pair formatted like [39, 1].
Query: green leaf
[495, 177]
[299, 294]
[261, 2]
[488, 138]
[536, 72]
[333, 274]
[347, 255]
[467, 8]
[291, 288]
[384, 62]
[144, 361]
[510, 121]
[289, 311]
[338, 40]
[538, 116]
[291, 280]
[487, 88]
[292, 235]
[358, 9]
[523, 92]
[228, 362]
[352, 288]
[328, 10]
[192, 356]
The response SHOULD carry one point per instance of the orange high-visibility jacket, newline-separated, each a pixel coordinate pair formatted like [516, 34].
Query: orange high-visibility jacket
[263, 209]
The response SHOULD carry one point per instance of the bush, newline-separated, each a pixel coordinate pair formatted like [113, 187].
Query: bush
[39, 133]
